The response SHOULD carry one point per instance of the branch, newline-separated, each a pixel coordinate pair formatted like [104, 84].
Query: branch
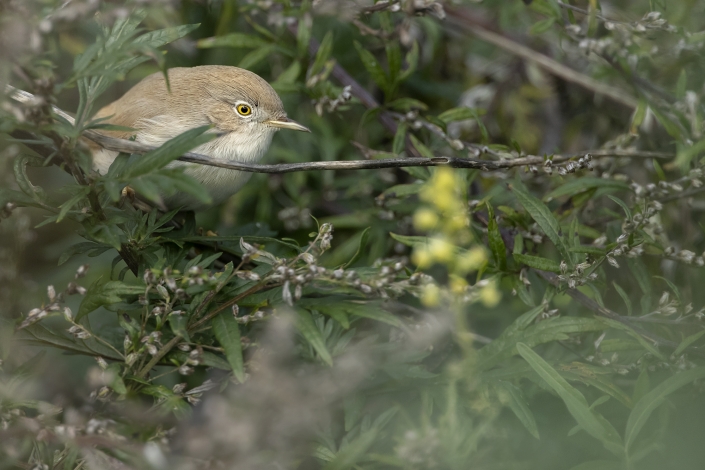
[128, 146]
[467, 23]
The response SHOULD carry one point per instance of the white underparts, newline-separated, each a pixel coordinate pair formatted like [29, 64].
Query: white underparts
[247, 146]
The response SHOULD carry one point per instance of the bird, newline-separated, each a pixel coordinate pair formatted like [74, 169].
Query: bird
[242, 108]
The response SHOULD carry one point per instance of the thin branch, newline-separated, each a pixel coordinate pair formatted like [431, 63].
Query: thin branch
[467, 23]
[128, 146]
[607, 313]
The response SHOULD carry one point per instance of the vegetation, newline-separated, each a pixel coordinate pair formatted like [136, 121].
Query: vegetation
[525, 297]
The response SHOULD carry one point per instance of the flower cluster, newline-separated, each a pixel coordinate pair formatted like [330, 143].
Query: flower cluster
[451, 244]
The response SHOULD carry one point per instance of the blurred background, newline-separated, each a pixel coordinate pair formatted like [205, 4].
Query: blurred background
[635, 87]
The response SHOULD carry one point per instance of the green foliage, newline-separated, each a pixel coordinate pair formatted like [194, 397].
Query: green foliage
[540, 310]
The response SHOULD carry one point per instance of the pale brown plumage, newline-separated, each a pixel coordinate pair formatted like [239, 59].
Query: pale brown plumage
[205, 95]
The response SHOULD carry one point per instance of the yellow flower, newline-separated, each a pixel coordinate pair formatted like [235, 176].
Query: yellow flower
[444, 179]
[425, 219]
[431, 295]
[443, 200]
[457, 284]
[456, 221]
[490, 296]
[471, 260]
[422, 257]
[441, 250]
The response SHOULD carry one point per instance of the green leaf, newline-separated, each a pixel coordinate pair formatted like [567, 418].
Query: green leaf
[624, 297]
[99, 295]
[117, 383]
[346, 458]
[393, 60]
[412, 60]
[227, 332]
[20, 167]
[256, 56]
[234, 40]
[638, 117]
[178, 325]
[372, 66]
[16, 197]
[623, 205]
[643, 408]
[162, 37]
[681, 85]
[423, 150]
[308, 329]
[403, 190]
[554, 329]
[542, 26]
[400, 138]
[361, 248]
[169, 151]
[544, 218]
[290, 74]
[590, 250]
[578, 185]
[303, 38]
[494, 237]
[407, 104]
[323, 54]
[578, 407]
[80, 194]
[517, 403]
[459, 114]
[538, 263]
[687, 342]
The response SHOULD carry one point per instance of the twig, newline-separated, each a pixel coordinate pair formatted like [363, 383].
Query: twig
[460, 18]
[128, 146]
[681, 195]
[607, 313]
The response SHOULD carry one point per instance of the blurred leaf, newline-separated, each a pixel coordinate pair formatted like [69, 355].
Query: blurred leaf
[592, 423]
[687, 342]
[494, 237]
[323, 54]
[400, 138]
[553, 329]
[361, 248]
[537, 263]
[518, 405]
[308, 329]
[234, 40]
[256, 56]
[350, 454]
[372, 66]
[652, 400]
[544, 218]
[458, 114]
[227, 332]
[423, 150]
[584, 183]
[542, 26]
[412, 59]
[623, 205]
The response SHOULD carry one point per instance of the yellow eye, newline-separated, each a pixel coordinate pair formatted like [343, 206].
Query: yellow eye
[243, 110]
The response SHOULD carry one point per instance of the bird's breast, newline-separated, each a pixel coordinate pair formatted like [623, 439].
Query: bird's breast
[222, 183]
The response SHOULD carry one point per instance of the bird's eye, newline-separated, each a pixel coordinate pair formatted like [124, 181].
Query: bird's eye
[243, 109]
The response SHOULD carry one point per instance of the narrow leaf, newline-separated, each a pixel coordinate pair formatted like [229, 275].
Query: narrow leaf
[227, 332]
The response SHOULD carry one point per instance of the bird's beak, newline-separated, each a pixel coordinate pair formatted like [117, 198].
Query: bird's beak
[286, 123]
